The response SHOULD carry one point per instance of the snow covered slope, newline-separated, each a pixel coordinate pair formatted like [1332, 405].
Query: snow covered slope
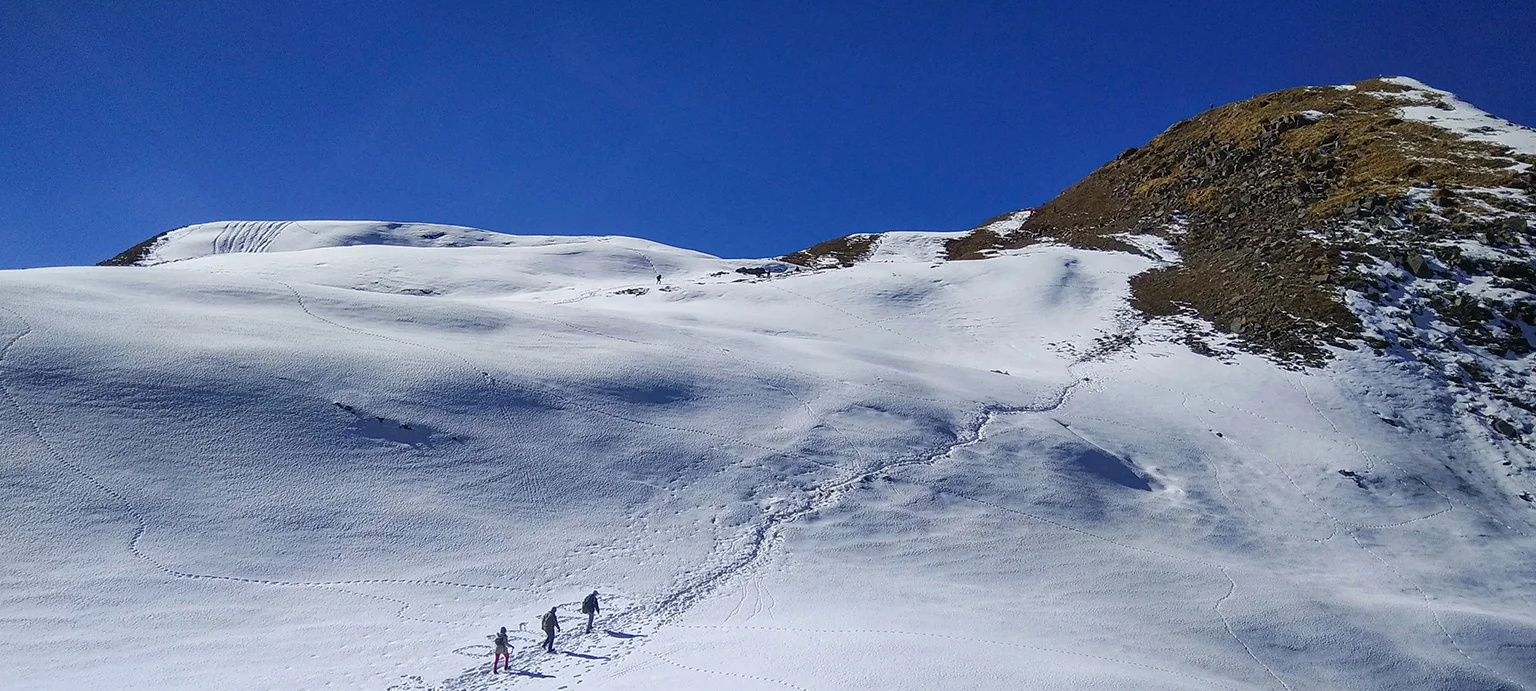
[228, 237]
[1443, 109]
[346, 463]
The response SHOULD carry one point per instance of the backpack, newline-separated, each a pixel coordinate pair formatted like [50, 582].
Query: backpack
[589, 605]
[548, 621]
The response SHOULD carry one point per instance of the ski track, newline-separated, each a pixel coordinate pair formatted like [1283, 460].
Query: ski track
[1351, 529]
[218, 239]
[1221, 488]
[773, 603]
[249, 236]
[858, 453]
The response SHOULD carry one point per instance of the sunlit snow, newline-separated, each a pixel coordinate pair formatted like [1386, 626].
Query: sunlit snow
[330, 454]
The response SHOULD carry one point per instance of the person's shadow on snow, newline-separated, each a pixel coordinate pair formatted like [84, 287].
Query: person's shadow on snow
[586, 657]
[621, 634]
[535, 675]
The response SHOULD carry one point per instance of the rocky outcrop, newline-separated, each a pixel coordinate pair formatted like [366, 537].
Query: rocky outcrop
[1274, 202]
[840, 253]
[136, 254]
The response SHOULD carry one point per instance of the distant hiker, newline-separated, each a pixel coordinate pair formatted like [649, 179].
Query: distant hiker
[501, 651]
[589, 607]
[658, 279]
[551, 625]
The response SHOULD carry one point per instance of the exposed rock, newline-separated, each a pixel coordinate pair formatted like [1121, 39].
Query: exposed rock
[842, 252]
[1418, 266]
[133, 255]
[1355, 477]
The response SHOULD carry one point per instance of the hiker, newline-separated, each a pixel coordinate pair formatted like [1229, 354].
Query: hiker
[658, 279]
[501, 651]
[589, 607]
[551, 625]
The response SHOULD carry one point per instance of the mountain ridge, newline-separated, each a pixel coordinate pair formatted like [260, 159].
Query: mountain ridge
[1319, 219]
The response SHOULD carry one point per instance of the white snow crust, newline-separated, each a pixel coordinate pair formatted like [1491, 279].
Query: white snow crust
[207, 239]
[907, 246]
[340, 455]
[1443, 109]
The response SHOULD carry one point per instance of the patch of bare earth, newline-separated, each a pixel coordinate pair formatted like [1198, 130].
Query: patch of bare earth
[842, 252]
[136, 254]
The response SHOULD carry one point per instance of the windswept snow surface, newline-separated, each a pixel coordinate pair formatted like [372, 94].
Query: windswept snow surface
[346, 466]
[1443, 109]
[207, 239]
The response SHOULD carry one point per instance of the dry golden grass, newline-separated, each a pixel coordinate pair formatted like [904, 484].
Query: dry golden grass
[844, 251]
[1255, 186]
[1155, 183]
[1249, 177]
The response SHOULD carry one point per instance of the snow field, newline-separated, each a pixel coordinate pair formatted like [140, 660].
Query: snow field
[346, 466]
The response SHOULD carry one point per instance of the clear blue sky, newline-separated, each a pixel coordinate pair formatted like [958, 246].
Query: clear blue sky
[735, 128]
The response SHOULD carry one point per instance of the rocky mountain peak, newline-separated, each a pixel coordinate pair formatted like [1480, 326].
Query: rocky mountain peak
[1280, 202]
[1384, 215]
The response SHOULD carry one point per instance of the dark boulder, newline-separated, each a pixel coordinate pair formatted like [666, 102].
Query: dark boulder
[1418, 266]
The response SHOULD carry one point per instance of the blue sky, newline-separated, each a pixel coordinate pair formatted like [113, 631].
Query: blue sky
[739, 129]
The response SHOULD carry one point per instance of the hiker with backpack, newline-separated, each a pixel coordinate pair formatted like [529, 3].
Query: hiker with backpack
[589, 607]
[551, 624]
[501, 651]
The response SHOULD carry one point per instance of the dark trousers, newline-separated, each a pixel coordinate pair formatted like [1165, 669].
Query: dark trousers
[590, 616]
[549, 640]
